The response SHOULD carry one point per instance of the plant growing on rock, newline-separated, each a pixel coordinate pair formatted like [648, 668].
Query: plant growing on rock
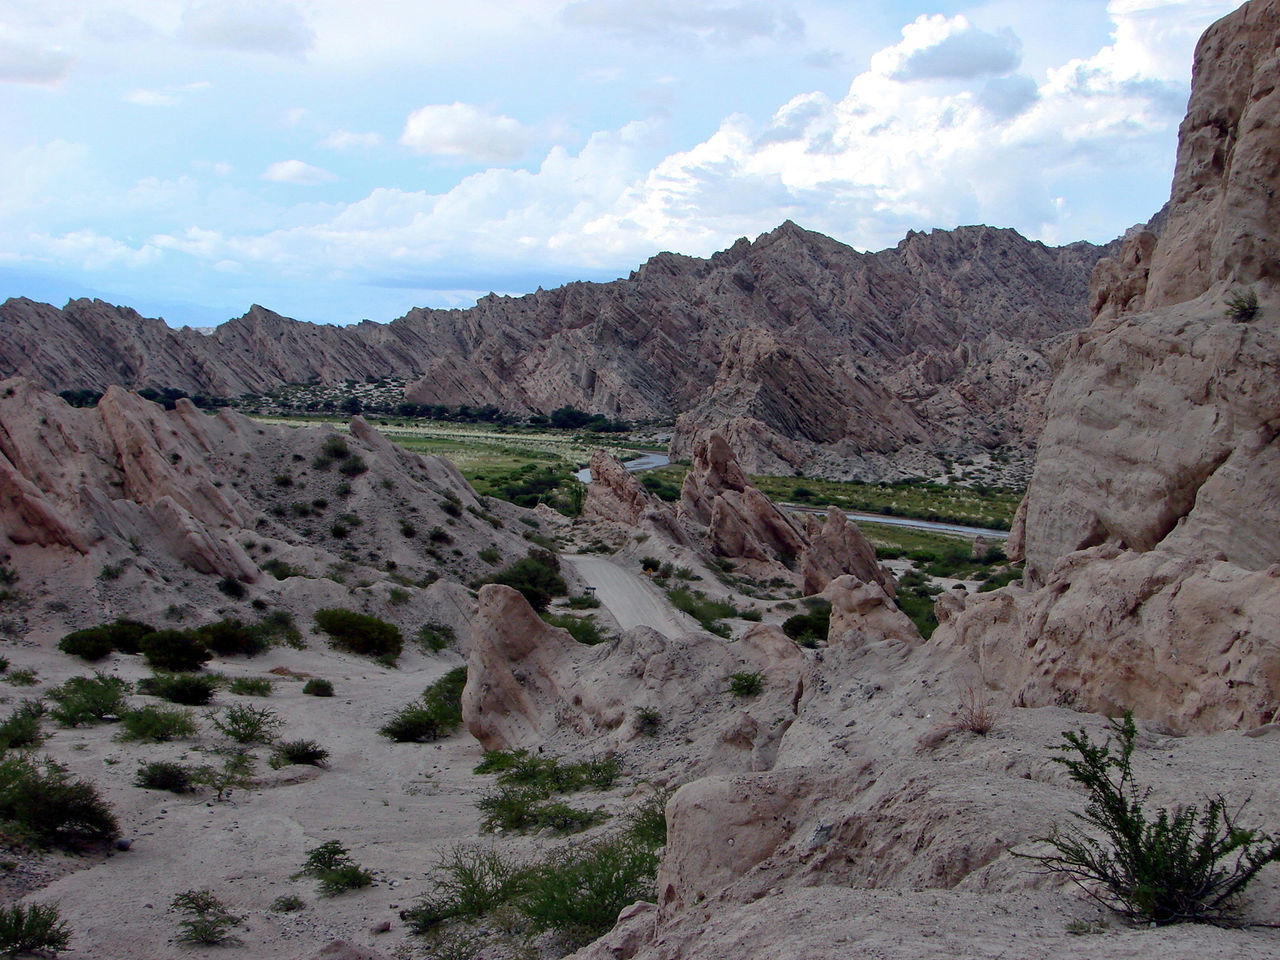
[746, 684]
[1152, 866]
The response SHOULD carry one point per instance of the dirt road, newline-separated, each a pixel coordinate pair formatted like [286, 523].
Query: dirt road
[633, 600]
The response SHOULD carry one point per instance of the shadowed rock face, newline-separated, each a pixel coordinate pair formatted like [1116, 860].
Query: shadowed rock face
[1151, 527]
[795, 345]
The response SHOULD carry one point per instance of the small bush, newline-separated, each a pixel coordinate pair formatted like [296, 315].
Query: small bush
[22, 727]
[360, 633]
[583, 629]
[299, 752]
[584, 602]
[175, 651]
[437, 715]
[331, 865]
[1184, 865]
[436, 636]
[232, 587]
[475, 881]
[287, 903]
[746, 684]
[1242, 307]
[88, 700]
[165, 775]
[91, 644]
[519, 808]
[188, 689]
[318, 687]
[250, 687]
[156, 724]
[236, 773]
[206, 918]
[808, 628]
[352, 466]
[537, 577]
[34, 929]
[41, 800]
[21, 678]
[647, 822]
[648, 721]
[231, 638]
[246, 724]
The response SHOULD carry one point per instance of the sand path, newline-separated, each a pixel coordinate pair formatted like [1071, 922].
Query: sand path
[633, 600]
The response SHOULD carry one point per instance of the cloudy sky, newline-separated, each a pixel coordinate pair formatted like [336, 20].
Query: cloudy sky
[335, 159]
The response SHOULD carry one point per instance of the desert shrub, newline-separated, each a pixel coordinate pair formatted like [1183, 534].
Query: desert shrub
[755, 616]
[92, 643]
[174, 650]
[287, 903]
[746, 684]
[165, 775]
[436, 716]
[648, 721]
[34, 929]
[436, 636]
[156, 724]
[299, 752]
[805, 628]
[318, 687]
[88, 700]
[1158, 866]
[126, 635]
[475, 880]
[247, 724]
[583, 629]
[250, 687]
[360, 633]
[21, 728]
[578, 893]
[230, 638]
[647, 821]
[333, 867]
[536, 576]
[40, 800]
[206, 919]
[21, 678]
[232, 587]
[188, 689]
[278, 627]
[519, 808]
[352, 466]
[494, 761]
[1242, 307]
[236, 773]
[552, 775]
[707, 612]
[584, 602]
[650, 564]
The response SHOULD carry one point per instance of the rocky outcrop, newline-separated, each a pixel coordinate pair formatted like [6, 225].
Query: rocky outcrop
[803, 352]
[836, 547]
[1151, 527]
[614, 493]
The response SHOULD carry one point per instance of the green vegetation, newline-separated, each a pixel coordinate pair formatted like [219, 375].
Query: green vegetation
[318, 687]
[746, 683]
[333, 867]
[361, 634]
[1156, 867]
[85, 701]
[583, 629]
[165, 775]
[246, 724]
[299, 752]
[915, 599]
[526, 783]
[230, 638]
[707, 612]
[287, 903]
[206, 919]
[807, 629]
[188, 689]
[94, 643]
[250, 687]
[156, 724]
[436, 716]
[41, 802]
[34, 929]
[236, 773]
[436, 636]
[21, 728]
[1242, 307]
[536, 576]
[175, 651]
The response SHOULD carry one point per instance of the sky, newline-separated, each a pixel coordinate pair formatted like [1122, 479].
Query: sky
[336, 160]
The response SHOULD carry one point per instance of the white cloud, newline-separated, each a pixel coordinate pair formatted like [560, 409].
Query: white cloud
[297, 172]
[256, 26]
[151, 98]
[688, 21]
[465, 131]
[936, 47]
[349, 140]
[30, 63]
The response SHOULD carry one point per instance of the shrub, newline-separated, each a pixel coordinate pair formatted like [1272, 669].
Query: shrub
[578, 893]
[251, 687]
[34, 929]
[476, 880]
[165, 775]
[126, 635]
[352, 466]
[247, 724]
[206, 918]
[537, 577]
[287, 903]
[1184, 865]
[230, 638]
[1242, 307]
[41, 800]
[232, 587]
[648, 721]
[330, 864]
[188, 689]
[583, 629]
[360, 633]
[22, 727]
[436, 636]
[584, 602]
[156, 724]
[808, 628]
[92, 643]
[236, 773]
[21, 678]
[174, 650]
[318, 687]
[435, 717]
[300, 752]
[647, 822]
[746, 684]
[519, 808]
[88, 700]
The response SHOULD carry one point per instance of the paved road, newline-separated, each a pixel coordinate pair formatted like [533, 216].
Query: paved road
[632, 599]
[910, 522]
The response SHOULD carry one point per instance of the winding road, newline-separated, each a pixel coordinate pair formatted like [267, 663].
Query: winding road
[633, 600]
